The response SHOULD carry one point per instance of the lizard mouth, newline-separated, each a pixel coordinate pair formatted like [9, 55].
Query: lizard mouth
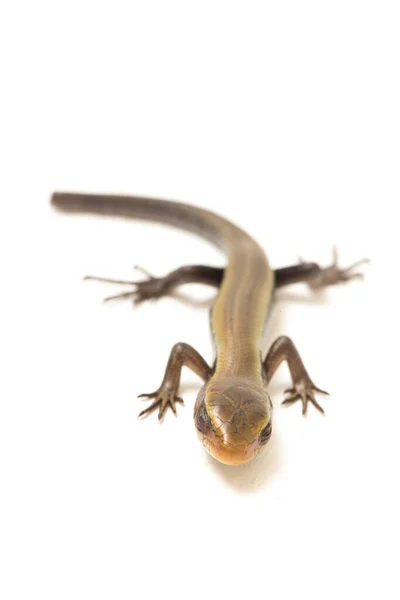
[230, 454]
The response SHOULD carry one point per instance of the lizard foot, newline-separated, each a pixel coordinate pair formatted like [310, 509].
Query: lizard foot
[150, 288]
[334, 274]
[162, 398]
[304, 390]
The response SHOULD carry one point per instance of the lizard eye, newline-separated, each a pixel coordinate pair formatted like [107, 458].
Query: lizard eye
[202, 419]
[266, 433]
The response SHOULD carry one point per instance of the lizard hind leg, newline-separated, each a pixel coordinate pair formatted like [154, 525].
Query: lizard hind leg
[152, 287]
[318, 277]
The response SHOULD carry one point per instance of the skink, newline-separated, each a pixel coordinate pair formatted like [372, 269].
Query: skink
[233, 411]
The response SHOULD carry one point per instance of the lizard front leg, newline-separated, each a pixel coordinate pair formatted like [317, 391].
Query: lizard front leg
[182, 355]
[303, 388]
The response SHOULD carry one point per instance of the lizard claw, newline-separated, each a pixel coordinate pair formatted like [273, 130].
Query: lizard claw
[150, 288]
[304, 390]
[163, 398]
[333, 274]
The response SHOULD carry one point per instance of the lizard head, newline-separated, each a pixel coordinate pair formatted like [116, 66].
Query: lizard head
[233, 419]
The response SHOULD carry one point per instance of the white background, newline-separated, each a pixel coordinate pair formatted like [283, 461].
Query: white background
[284, 117]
